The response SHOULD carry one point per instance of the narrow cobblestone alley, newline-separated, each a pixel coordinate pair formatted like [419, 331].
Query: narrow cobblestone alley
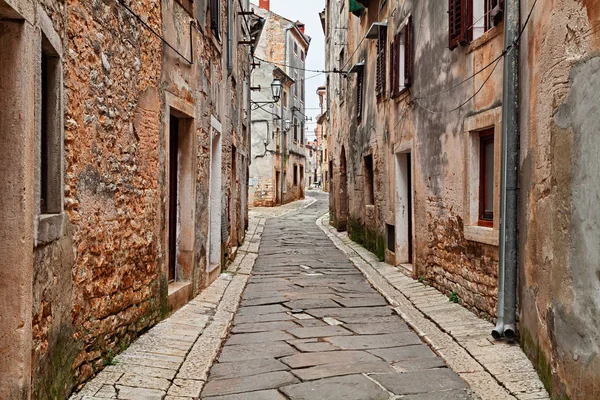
[310, 326]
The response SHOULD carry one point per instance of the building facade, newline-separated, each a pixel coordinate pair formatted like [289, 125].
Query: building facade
[124, 167]
[278, 165]
[415, 136]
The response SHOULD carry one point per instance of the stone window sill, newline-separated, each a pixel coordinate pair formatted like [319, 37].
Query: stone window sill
[486, 37]
[481, 234]
[51, 227]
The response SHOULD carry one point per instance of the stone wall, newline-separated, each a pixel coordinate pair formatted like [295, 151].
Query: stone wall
[437, 139]
[559, 240]
[98, 272]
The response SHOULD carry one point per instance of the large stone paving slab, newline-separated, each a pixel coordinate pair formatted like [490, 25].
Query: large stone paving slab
[351, 387]
[239, 369]
[362, 342]
[434, 380]
[269, 380]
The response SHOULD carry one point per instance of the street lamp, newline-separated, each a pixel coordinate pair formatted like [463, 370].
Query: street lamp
[288, 125]
[276, 89]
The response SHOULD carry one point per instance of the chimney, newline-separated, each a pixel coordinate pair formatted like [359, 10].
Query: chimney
[265, 4]
[300, 26]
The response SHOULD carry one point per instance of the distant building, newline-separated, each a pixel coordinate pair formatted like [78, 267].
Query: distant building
[278, 166]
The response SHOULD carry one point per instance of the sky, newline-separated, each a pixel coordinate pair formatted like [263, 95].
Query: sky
[307, 11]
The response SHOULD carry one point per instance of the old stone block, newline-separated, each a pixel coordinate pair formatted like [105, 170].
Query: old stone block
[351, 387]
[374, 341]
[263, 327]
[241, 368]
[259, 337]
[319, 331]
[433, 380]
[255, 350]
[186, 388]
[404, 353]
[328, 357]
[269, 380]
[328, 370]
[258, 395]
[378, 327]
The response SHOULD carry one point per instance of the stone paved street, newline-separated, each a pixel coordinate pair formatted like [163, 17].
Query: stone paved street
[310, 326]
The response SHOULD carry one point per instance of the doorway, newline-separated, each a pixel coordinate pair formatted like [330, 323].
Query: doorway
[173, 193]
[343, 193]
[215, 205]
[404, 209]
[181, 204]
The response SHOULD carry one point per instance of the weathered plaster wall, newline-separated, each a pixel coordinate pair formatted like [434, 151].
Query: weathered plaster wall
[559, 274]
[430, 130]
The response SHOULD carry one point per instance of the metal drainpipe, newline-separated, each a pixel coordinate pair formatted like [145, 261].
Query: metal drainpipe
[229, 39]
[509, 184]
[282, 135]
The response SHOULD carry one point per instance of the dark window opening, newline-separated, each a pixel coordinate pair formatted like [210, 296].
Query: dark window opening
[50, 180]
[391, 237]
[486, 178]
[369, 180]
[295, 175]
[331, 174]
[295, 130]
[173, 200]
[215, 18]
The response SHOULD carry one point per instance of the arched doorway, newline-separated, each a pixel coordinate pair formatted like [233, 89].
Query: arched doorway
[343, 193]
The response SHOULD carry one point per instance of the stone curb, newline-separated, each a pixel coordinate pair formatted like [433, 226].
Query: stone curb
[172, 360]
[494, 369]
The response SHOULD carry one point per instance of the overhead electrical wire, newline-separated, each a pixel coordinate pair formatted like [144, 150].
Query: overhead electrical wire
[495, 62]
[145, 24]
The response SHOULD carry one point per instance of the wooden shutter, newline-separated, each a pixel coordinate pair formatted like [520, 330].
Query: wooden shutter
[381, 61]
[359, 95]
[408, 52]
[394, 67]
[458, 22]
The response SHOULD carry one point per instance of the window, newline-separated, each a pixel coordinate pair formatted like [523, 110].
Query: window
[343, 82]
[215, 18]
[302, 90]
[469, 19]
[302, 133]
[381, 62]
[368, 181]
[391, 238]
[359, 95]
[296, 83]
[295, 175]
[401, 63]
[302, 55]
[50, 178]
[486, 178]
[295, 48]
[285, 99]
[295, 130]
